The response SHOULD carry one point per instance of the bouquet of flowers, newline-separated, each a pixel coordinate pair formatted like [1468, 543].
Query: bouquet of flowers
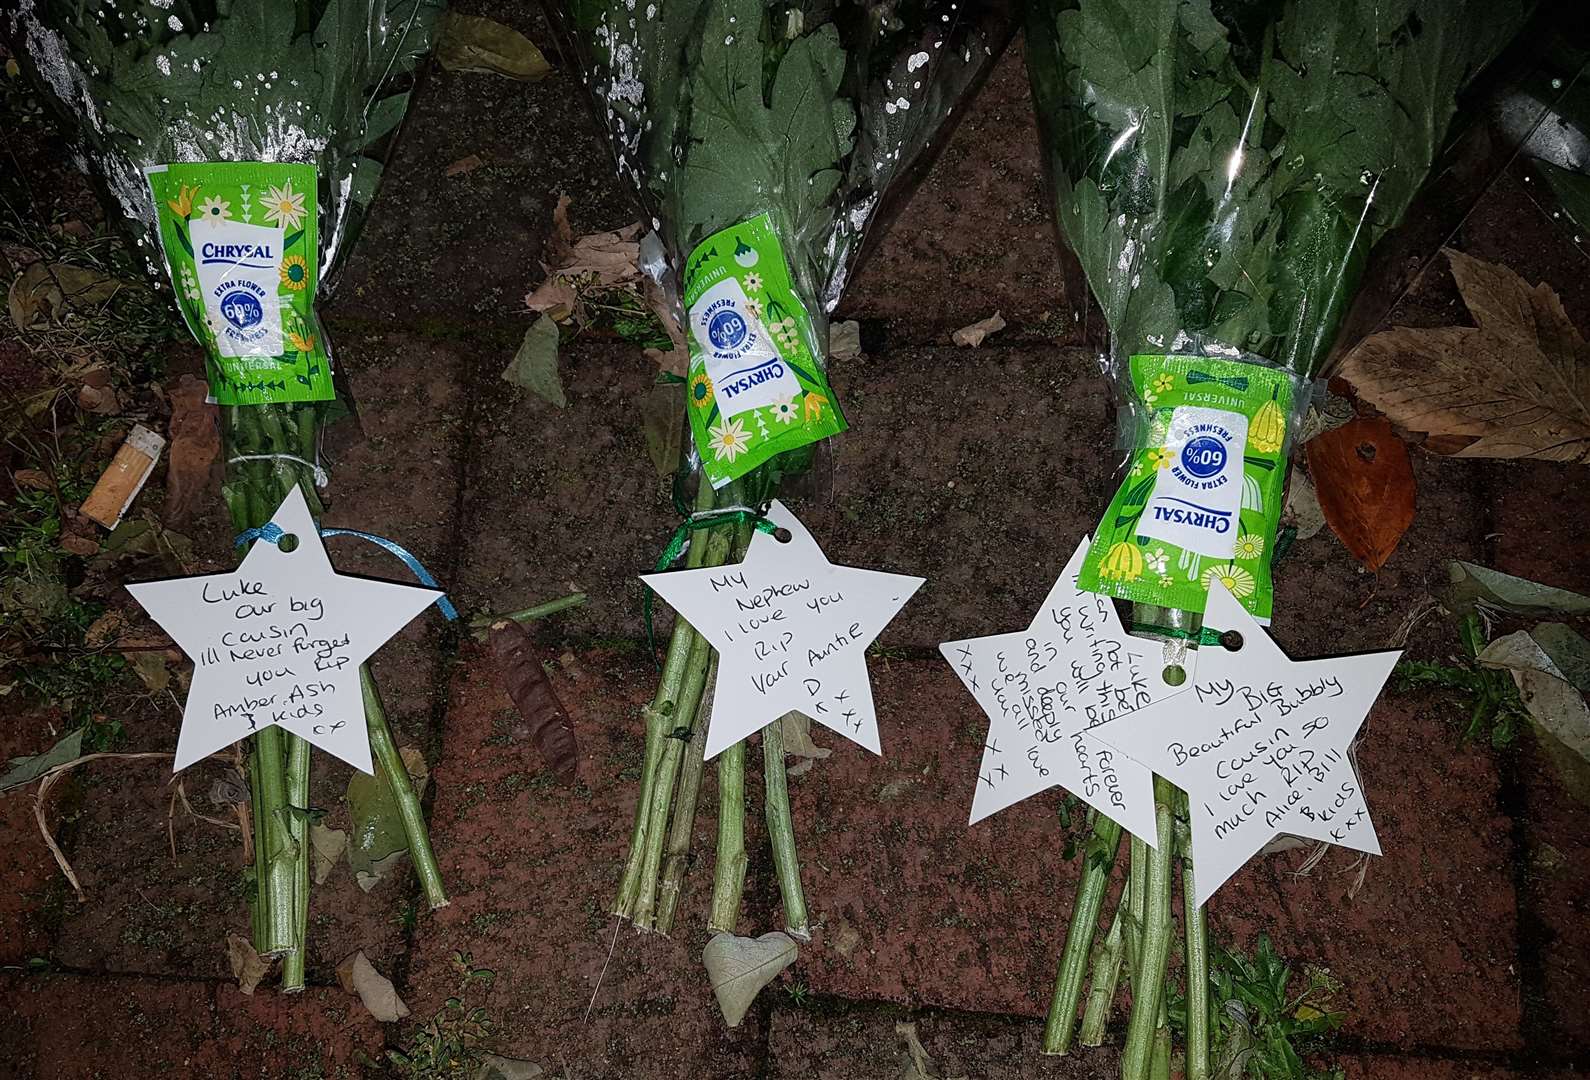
[1222, 172]
[762, 140]
[240, 140]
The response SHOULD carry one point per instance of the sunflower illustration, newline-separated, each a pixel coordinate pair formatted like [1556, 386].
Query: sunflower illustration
[295, 272]
[182, 205]
[284, 206]
[1237, 581]
[701, 390]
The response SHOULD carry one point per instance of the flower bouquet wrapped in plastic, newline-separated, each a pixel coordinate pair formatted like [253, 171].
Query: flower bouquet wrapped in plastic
[240, 142]
[762, 141]
[1222, 172]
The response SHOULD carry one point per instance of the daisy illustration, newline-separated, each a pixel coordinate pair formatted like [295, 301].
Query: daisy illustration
[755, 306]
[1238, 582]
[730, 440]
[215, 210]
[753, 282]
[1249, 546]
[295, 272]
[784, 410]
[284, 206]
[1157, 560]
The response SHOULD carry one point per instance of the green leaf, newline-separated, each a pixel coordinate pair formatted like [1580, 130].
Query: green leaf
[535, 366]
[474, 43]
[377, 841]
[25, 770]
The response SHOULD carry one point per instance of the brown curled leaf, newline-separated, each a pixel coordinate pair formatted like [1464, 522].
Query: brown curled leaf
[521, 675]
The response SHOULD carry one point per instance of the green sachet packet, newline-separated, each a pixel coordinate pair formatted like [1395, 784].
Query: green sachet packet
[242, 250]
[1202, 495]
[756, 384]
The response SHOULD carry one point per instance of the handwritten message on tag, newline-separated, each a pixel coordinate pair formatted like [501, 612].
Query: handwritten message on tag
[791, 630]
[1259, 743]
[279, 641]
[1045, 690]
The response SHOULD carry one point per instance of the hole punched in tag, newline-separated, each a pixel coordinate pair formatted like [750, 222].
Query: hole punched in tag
[288, 543]
[783, 535]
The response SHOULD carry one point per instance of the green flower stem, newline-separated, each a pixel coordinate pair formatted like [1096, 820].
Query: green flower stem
[298, 824]
[1098, 860]
[1159, 1068]
[728, 880]
[781, 832]
[273, 852]
[684, 822]
[662, 794]
[1136, 899]
[1106, 963]
[1197, 961]
[390, 764]
[1148, 977]
[551, 607]
[658, 724]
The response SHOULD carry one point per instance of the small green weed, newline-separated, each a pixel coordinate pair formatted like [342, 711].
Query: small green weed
[1495, 711]
[451, 1044]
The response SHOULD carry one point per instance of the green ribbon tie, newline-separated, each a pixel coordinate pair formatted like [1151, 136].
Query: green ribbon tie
[704, 519]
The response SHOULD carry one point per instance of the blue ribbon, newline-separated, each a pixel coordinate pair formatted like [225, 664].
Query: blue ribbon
[272, 533]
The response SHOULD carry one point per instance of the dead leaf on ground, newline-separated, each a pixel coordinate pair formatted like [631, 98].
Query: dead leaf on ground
[151, 666]
[797, 728]
[972, 336]
[497, 1067]
[378, 842]
[79, 545]
[195, 449]
[247, 965]
[34, 479]
[738, 968]
[554, 297]
[662, 417]
[918, 1066]
[325, 848]
[358, 976]
[25, 770]
[1557, 708]
[535, 366]
[1364, 482]
[100, 400]
[523, 678]
[45, 293]
[844, 340]
[1515, 386]
[1472, 584]
[475, 43]
[464, 165]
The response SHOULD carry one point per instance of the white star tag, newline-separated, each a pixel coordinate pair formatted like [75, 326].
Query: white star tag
[1073, 669]
[1259, 743]
[279, 640]
[791, 630]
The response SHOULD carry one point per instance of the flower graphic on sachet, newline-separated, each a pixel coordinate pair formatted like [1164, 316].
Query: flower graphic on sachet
[814, 405]
[302, 342]
[730, 440]
[1238, 582]
[753, 282]
[701, 390]
[295, 272]
[1160, 457]
[284, 206]
[1123, 562]
[1249, 546]
[754, 306]
[1157, 560]
[182, 205]
[215, 210]
[190, 286]
[1162, 383]
[784, 410]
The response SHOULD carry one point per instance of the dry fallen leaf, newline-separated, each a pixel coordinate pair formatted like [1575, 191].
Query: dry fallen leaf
[844, 340]
[37, 479]
[738, 968]
[475, 43]
[195, 449]
[101, 400]
[972, 336]
[247, 965]
[1364, 482]
[464, 165]
[79, 545]
[1515, 386]
[325, 848]
[359, 976]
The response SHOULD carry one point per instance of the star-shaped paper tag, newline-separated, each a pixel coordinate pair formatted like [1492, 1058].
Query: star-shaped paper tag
[1074, 668]
[791, 630]
[1259, 743]
[279, 640]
